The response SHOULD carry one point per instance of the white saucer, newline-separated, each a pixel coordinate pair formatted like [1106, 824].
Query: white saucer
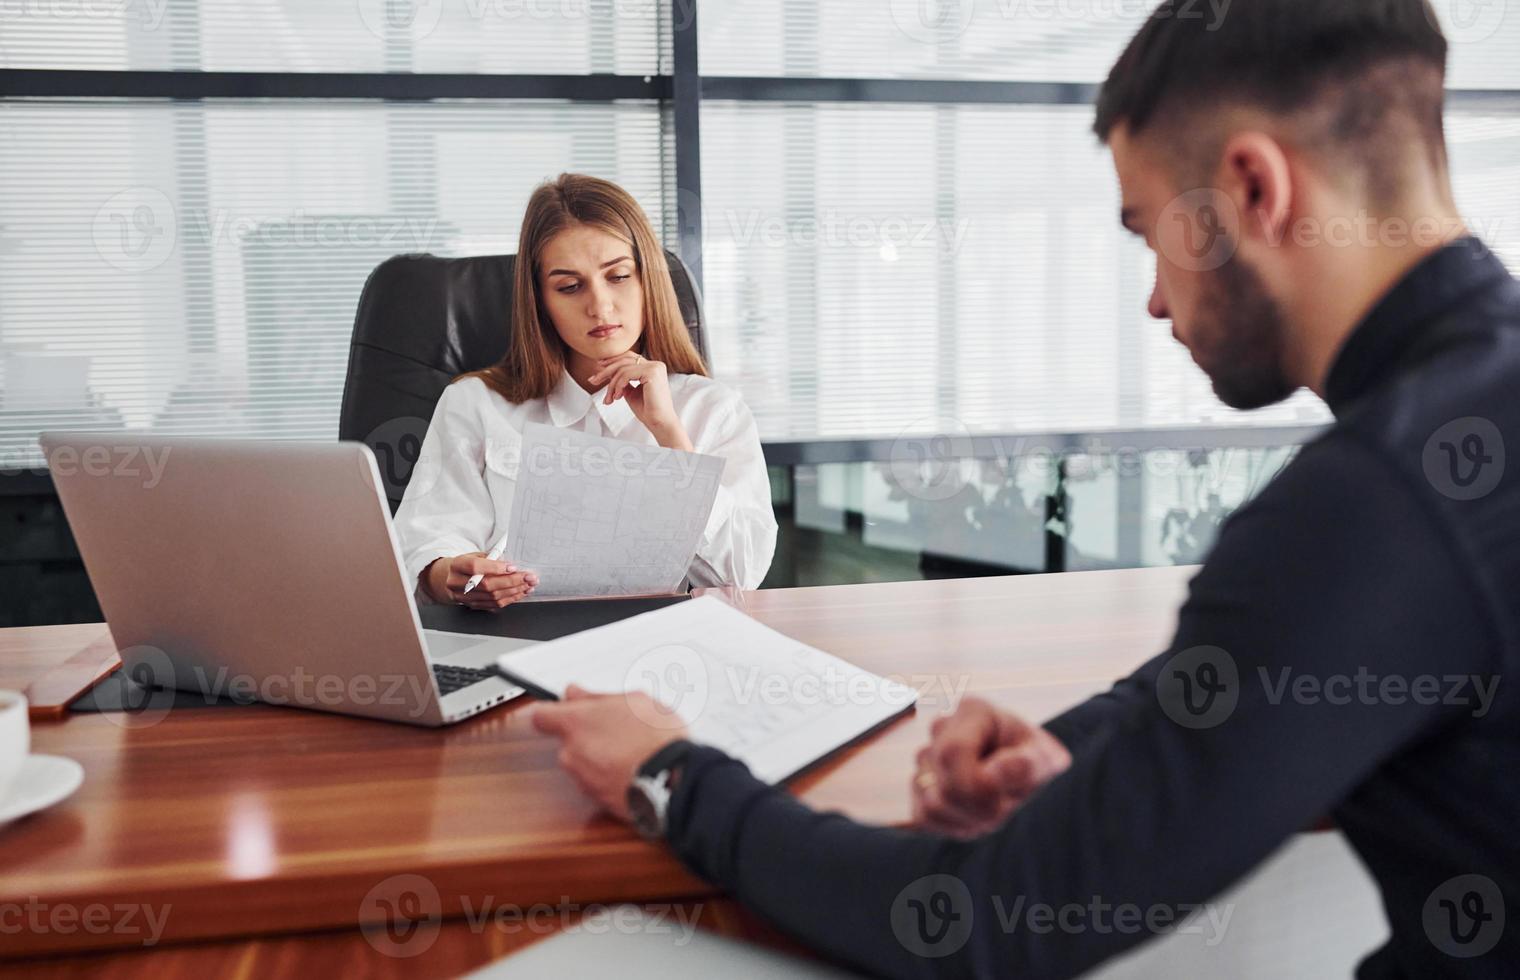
[42, 781]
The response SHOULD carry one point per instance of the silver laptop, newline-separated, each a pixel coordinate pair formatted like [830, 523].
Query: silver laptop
[263, 570]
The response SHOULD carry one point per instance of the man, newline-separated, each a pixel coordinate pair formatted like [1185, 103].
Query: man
[1339, 653]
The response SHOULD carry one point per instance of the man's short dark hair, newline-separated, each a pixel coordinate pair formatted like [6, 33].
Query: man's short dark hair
[1282, 56]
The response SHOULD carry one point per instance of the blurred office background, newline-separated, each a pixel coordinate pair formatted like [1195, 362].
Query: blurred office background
[905, 233]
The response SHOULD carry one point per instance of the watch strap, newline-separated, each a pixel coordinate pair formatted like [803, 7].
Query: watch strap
[666, 758]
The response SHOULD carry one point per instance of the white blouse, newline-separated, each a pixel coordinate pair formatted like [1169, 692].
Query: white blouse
[459, 498]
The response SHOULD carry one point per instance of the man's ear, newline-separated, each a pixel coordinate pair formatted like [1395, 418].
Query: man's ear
[1254, 173]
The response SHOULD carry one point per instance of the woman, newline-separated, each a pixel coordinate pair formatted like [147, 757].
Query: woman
[593, 310]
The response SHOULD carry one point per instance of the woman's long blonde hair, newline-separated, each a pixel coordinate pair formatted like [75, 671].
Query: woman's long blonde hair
[535, 358]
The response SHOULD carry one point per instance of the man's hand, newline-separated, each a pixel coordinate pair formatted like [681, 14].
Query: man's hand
[980, 765]
[605, 738]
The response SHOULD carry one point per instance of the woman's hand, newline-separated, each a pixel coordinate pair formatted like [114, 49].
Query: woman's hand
[650, 401]
[503, 584]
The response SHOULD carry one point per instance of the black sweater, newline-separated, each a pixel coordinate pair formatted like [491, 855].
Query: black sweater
[1341, 653]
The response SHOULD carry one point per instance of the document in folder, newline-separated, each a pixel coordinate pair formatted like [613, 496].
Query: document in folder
[602, 517]
[774, 703]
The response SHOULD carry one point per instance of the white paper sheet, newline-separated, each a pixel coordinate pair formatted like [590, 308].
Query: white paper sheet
[600, 517]
[775, 703]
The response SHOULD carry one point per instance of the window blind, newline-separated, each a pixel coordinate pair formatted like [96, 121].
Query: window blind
[195, 267]
[870, 268]
[563, 37]
[1011, 40]
[874, 269]
[879, 269]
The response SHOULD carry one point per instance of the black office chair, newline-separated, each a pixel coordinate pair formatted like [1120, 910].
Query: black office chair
[422, 322]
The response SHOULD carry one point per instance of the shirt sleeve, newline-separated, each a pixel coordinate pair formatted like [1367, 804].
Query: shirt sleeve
[447, 509]
[740, 537]
[1198, 770]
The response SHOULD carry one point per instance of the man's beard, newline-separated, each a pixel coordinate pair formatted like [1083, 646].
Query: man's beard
[1239, 337]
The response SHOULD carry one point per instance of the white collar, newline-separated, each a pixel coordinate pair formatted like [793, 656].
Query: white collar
[569, 403]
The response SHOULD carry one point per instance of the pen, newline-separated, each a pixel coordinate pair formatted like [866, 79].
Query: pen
[543, 694]
[494, 555]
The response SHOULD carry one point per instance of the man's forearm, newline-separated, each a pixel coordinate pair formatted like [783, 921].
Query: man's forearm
[718, 805]
[1078, 726]
[901, 903]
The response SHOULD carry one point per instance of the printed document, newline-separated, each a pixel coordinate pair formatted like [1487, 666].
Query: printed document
[600, 517]
[770, 701]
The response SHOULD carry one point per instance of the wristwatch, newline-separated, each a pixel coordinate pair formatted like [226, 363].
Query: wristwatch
[649, 793]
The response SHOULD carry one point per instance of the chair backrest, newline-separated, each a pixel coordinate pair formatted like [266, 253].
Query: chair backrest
[423, 321]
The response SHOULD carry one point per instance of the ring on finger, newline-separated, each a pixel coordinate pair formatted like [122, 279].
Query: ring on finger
[925, 779]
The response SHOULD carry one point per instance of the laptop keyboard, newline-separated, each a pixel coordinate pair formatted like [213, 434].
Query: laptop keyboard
[451, 679]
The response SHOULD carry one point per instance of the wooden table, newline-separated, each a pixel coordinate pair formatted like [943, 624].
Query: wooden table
[221, 824]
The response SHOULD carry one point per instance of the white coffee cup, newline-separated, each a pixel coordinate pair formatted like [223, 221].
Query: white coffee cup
[15, 737]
